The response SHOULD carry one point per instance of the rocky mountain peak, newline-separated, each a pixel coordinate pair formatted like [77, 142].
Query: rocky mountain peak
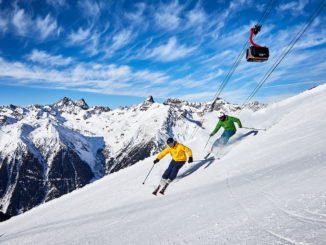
[147, 103]
[175, 102]
[81, 103]
[67, 103]
[150, 99]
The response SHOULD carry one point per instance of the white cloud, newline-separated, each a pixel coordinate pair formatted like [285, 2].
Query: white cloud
[312, 39]
[47, 59]
[41, 28]
[152, 78]
[96, 77]
[137, 16]
[221, 19]
[46, 26]
[90, 8]
[3, 24]
[195, 17]
[170, 51]
[120, 40]
[21, 21]
[167, 16]
[295, 7]
[92, 44]
[79, 36]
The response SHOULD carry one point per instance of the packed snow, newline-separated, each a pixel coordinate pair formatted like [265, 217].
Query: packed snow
[268, 187]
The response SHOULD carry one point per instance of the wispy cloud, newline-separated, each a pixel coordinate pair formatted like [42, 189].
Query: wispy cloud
[90, 8]
[170, 51]
[47, 59]
[79, 36]
[167, 16]
[196, 17]
[47, 26]
[151, 78]
[120, 40]
[87, 77]
[137, 16]
[294, 7]
[3, 24]
[40, 29]
[21, 21]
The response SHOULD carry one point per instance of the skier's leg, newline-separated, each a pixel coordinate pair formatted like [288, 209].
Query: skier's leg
[173, 175]
[156, 190]
[163, 182]
[168, 170]
[175, 170]
[216, 143]
[165, 186]
[227, 134]
[164, 178]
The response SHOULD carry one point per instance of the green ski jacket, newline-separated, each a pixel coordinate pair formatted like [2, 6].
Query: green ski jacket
[228, 124]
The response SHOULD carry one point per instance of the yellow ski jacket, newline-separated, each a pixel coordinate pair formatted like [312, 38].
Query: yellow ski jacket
[177, 152]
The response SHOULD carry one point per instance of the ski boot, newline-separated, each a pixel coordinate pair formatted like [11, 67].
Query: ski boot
[156, 190]
[163, 189]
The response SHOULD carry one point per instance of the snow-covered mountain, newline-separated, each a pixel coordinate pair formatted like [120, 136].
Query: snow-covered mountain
[267, 188]
[48, 151]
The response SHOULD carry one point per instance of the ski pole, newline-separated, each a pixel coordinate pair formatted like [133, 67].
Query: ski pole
[256, 128]
[207, 141]
[148, 174]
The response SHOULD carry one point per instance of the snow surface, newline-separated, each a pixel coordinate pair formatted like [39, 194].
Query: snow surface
[268, 188]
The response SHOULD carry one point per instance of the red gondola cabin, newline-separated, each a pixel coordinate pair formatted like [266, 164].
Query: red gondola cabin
[256, 53]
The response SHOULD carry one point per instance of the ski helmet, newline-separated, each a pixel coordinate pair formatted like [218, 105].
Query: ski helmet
[170, 141]
[222, 116]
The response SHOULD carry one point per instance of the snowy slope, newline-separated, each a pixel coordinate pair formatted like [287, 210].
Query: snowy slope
[268, 188]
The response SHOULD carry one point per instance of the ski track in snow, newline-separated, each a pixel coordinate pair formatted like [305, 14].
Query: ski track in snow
[251, 216]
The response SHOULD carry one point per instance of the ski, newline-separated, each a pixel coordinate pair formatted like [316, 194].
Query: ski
[205, 157]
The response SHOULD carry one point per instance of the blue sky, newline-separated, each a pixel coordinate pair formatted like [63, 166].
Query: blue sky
[118, 52]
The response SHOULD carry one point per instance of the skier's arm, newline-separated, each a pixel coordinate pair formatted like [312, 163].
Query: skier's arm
[218, 126]
[163, 153]
[189, 152]
[237, 120]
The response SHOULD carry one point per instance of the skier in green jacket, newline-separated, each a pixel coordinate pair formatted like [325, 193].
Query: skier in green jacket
[227, 122]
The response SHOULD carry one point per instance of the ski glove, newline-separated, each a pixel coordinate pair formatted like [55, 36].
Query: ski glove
[190, 160]
[156, 161]
[211, 134]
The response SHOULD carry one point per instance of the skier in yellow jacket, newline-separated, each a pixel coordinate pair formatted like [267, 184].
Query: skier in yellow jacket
[179, 158]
